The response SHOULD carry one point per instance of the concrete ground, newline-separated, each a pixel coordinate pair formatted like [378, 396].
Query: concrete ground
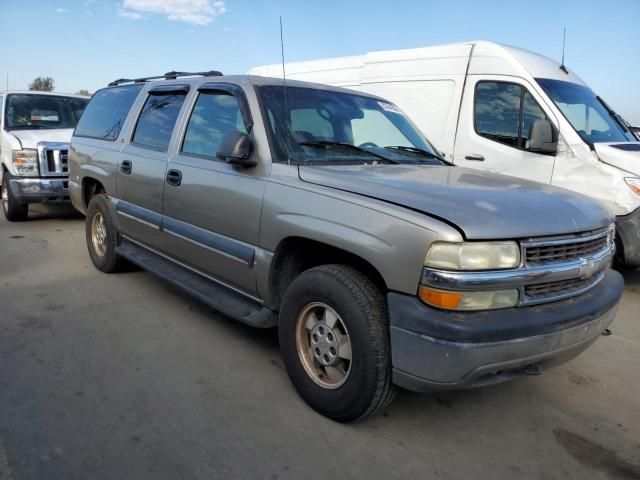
[123, 377]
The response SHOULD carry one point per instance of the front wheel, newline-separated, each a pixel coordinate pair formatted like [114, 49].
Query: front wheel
[334, 340]
[14, 211]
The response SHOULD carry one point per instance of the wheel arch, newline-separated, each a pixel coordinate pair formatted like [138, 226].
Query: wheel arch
[295, 254]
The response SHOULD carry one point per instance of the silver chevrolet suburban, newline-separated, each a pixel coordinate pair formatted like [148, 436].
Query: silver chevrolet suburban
[325, 212]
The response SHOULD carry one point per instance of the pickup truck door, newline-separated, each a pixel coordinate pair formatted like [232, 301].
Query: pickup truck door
[212, 208]
[494, 126]
[143, 163]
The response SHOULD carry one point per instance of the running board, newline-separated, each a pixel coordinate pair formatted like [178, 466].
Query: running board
[207, 291]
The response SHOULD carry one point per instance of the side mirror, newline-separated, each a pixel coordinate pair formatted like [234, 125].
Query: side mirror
[541, 137]
[236, 148]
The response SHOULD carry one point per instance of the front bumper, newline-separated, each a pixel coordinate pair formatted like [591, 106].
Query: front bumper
[628, 230]
[40, 190]
[434, 349]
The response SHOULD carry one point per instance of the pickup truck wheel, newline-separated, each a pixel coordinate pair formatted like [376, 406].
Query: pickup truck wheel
[14, 211]
[334, 339]
[102, 236]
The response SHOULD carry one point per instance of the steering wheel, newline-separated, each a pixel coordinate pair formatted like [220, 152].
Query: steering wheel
[368, 144]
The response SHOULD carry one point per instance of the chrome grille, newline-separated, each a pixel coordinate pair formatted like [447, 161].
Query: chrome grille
[560, 289]
[53, 159]
[567, 249]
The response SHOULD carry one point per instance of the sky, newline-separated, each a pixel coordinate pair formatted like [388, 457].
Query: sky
[84, 44]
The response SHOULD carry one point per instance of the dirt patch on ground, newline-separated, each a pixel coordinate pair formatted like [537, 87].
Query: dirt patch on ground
[596, 456]
[5, 472]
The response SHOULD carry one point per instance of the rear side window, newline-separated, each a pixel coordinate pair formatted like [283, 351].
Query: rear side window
[104, 116]
[214, 115]
[157, 119]
[505, 112]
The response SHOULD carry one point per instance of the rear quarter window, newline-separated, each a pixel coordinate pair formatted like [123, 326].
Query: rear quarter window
[107, 110]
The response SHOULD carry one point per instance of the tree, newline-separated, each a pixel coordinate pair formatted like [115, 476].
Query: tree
[44, 84]
[83, 92]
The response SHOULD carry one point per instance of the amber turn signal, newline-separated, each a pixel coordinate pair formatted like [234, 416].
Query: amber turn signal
[440, 298]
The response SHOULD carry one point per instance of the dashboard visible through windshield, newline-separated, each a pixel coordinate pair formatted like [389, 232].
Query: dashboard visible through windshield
[586, 113]
[32, 111]
[314, 127]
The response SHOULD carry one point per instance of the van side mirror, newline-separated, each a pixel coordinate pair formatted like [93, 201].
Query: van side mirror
[541, 137]
[236, 148]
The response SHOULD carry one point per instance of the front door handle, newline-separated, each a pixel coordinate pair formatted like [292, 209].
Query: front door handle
[126, 166]
[476, 157]
[174, 177]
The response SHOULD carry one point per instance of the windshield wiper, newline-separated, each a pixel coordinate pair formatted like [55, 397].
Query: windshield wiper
[618, 119]
[419, 151]
[325, 144]
[25, 127]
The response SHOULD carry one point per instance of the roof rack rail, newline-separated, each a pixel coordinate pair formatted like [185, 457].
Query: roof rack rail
[167, 76]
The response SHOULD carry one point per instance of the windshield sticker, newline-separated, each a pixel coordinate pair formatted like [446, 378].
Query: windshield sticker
[389, 107]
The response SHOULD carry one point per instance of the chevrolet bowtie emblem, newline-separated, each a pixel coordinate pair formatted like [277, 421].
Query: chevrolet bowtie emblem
[587, 267]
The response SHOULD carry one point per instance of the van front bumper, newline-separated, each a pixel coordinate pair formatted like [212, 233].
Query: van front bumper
[628, 230]
[39, 190]
[435, 349]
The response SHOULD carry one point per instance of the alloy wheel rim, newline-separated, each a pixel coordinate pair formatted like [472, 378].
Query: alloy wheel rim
[99, 234]
[323, 345]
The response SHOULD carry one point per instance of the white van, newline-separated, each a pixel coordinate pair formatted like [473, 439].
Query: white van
[505, 110]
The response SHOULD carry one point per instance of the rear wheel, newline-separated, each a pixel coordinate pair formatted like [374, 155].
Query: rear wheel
[14, 211]
[334, 339]
[102, 236]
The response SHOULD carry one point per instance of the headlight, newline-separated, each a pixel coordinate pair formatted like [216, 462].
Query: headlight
[634, 184]
[463, 300]
[473, 255]
[25, 162]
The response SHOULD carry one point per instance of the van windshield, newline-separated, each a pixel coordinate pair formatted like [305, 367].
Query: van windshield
[314, 127]
[33, 111]
[586, 112]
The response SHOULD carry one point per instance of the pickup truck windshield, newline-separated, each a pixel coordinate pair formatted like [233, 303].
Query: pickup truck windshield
[32, 111]
[315, 127]
[586, 113]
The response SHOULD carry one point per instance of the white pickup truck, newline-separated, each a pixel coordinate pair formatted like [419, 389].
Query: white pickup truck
[34, 138]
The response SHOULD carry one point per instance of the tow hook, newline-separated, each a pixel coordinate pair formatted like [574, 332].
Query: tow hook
[532, 370]
[606, 332]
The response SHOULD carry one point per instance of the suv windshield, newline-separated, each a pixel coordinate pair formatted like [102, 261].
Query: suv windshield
[314, 127]
[32, 111]
[586, 113]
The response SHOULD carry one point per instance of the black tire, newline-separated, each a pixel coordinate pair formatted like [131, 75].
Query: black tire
[108, 260]
[362, 309]
[14, 211]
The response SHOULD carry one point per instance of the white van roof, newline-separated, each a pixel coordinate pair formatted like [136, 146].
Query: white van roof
[488, 58]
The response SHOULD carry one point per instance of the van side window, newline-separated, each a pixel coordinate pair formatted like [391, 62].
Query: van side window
[506, 112]
[215, 114]
[106, 112]
[157, 119]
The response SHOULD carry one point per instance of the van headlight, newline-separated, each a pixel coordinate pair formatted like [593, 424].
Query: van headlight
[473, 255]
[25, 162]
[633, 183]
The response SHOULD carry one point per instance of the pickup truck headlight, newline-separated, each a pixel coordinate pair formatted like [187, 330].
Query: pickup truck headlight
[633, 183]
[473, 255]
[25, 162]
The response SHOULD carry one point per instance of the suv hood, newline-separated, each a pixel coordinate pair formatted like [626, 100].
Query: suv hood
[30, 138]
[483, 205]
[624, 155]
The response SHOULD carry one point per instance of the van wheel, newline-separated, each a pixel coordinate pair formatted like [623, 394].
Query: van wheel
[14, 211]
[334, 340]
[102, 236]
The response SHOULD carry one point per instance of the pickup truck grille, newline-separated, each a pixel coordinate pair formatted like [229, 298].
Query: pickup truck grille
[557, 290]
[53, 159]
[567, 250]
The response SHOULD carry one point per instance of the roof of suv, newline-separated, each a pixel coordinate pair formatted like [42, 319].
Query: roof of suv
[248, 81]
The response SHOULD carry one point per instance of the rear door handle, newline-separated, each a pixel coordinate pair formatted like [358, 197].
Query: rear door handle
[476, 157]
[174, 177]
[126, 166]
